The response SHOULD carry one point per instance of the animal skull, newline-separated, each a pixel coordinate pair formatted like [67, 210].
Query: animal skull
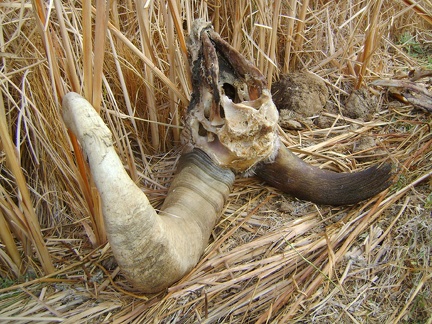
[231, 117]
[230, 127]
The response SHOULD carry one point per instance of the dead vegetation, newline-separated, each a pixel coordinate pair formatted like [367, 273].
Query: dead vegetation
[272, 258]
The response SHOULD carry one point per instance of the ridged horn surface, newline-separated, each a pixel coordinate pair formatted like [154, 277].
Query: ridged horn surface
[302, 180]
[153, 250]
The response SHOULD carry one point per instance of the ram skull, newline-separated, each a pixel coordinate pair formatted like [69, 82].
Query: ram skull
[231, 128]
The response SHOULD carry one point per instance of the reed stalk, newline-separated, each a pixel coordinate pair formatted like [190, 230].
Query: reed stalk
[28, 218]
[371, 40]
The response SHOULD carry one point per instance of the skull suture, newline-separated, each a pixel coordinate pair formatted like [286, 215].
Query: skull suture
[231, 116]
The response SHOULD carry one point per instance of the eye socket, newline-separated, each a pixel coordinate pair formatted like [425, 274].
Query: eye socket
[230, 91]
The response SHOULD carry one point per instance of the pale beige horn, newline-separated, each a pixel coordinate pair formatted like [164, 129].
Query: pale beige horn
[153, 250]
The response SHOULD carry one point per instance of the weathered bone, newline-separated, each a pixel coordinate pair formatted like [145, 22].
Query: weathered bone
[233, 120]
[231, 116]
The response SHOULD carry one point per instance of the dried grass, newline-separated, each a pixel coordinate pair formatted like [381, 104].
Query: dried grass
[271, 258]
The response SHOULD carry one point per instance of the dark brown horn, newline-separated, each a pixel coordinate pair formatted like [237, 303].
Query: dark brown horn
[291, 175]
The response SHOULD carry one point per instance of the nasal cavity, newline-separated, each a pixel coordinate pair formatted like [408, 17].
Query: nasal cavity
[201, 130]
[221, 112]
[230, 91]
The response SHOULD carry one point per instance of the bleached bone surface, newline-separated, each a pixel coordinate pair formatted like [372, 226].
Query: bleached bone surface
[231, 116]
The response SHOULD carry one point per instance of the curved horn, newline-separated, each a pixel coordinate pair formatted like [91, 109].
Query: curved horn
[291, 175]
[152, 250]
[233, 119]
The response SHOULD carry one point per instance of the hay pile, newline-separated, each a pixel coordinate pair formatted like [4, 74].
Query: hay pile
[271, 258]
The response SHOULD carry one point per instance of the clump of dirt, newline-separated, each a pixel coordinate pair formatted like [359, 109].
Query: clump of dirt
[299, 96]
[289, 120]
[303, 93]
[367, 149]
[360, 105]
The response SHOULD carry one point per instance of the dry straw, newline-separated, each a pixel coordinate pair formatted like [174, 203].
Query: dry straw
[271, 258]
